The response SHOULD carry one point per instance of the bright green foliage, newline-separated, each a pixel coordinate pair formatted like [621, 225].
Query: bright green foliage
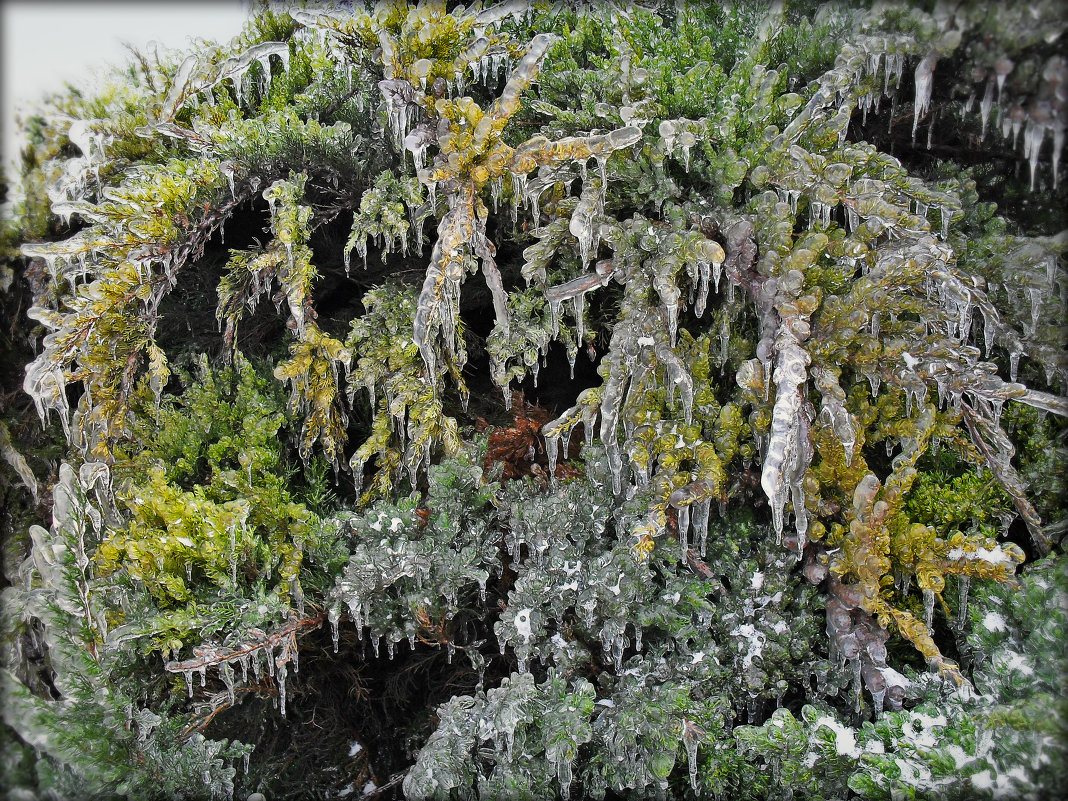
[966, 501]
[802, 386]
[208, 507]
[102, 740]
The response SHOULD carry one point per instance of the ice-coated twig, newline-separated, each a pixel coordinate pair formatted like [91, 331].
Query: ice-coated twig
[998, 451]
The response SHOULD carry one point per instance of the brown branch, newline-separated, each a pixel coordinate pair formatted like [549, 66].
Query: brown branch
[219, 703]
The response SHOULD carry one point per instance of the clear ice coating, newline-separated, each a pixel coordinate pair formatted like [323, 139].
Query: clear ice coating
[656, 411]
[833, 412]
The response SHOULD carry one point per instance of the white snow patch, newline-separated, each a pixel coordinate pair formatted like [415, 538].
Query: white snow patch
[913, 773]
[893, 678]
[756, 642]
[993, 621]
[1015, 661]
[995, 555]
[925, 738]
[845, 739]
[522, 624]
[960, 756]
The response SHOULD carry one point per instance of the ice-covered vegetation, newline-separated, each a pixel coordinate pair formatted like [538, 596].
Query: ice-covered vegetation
[647, 401]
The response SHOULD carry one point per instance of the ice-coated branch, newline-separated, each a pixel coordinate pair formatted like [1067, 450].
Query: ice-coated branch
[247, 654]
[997, 451]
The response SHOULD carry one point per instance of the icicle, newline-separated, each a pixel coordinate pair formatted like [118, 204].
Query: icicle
[984, 108]
[563, 773]
[877, 700]
[227, 674]
[602, 172]
[589, 414]
[928, 607]
[785, 447]
[617, 653]
[1034, 134]
[280, 677]
[703, 270]
[1034, 294]
[582, 228]
[686, 141]
[700, 521]
[858, 686]
[188, 682]
[1058, 147]
[552, 443]
[1002, 67]
[684, 527]
[610, 404]
[924, 78]
[875, 380]
[579, 303]
[689, 742]
[963, 584]
[676, 375]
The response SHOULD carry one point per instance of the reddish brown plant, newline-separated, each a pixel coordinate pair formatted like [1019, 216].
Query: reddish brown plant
[520, 448]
